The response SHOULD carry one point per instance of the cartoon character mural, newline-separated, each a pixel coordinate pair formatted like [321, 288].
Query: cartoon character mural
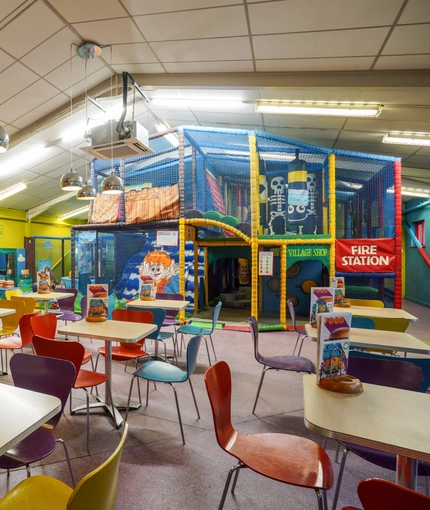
[160, 267]
[277, 206]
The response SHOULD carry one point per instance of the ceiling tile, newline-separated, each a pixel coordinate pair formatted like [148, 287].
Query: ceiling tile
[38, 20]
[136, 7]
[53, 52]
[139, 68]
[345, 43]
[14, 79]
[39, 112]
[289, 16]
[225, 66]
[198, 24]
[396, 95]
[408, 40]
[387, 125]
[416, 11]
[132, 54]
[311, 94]
[84, 10]
[234, 48]
[403, 62]
[315, 64]
[115, 31]
[5, 60]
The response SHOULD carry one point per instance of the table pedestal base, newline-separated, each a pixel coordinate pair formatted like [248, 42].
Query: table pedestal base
[407, 472]
[113, 412]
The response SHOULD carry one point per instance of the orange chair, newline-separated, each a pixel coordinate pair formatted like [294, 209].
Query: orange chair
[126, 351]
[282, 457]
[74, 352]
[46, 325]
[376, 494]
[14, 342]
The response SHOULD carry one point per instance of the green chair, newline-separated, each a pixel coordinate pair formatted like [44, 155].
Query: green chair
[96, 491]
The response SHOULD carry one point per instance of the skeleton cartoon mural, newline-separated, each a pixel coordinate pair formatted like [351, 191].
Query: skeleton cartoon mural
[277, 206]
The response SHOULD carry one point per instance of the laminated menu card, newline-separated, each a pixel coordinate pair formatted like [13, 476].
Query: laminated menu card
[97, 302]
[333, 331]
[322, 301]
[338, 283]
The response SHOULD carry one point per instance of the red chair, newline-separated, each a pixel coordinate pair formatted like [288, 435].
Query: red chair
[46, 326]
[377, 494]
[282, 457]
[126, 351]
[74, 352]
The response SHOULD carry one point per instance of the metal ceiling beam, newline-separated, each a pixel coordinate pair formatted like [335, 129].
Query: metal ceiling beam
[35, 211]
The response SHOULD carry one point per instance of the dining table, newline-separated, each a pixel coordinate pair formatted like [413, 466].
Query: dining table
[48, 297]
[23, 411]
[380, 313]
[388, 419]
[6, 311]
[361, 338]
[109, 331]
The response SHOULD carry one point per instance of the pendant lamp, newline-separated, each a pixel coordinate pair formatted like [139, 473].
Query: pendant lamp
[4, 140]
[87, 192]
[71, 181]
[112, 185]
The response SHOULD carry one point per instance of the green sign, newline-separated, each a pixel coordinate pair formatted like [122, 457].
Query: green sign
[300, 252]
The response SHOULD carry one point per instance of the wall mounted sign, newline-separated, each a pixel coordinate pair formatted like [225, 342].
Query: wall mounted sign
[265, 263]
[365, 255]
[167, 238]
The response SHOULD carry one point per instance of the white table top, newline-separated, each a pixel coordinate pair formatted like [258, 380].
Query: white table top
[6, 311]
[22, 412]
[380, 339]
[48, 297]
[167, 304]
[109, 330]
[389, 419]
[383, 313]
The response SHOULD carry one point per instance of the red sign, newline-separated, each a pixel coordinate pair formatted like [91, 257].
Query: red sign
[365, 255]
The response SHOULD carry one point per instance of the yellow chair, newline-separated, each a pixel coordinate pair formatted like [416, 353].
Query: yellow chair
[395, 324]
[96, 491]
[366, 302]
[13, 292]
[10, 322]
[29, 302]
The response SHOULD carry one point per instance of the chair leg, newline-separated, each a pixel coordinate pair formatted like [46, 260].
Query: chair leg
[213, 348]
[194, 398]
[301, 345]
[129, 396]
[263, 373]
[66, 451]
[339, 479]
[207, 350]
[234, 469]
[322, 499]
[297, 341]
[178, 411]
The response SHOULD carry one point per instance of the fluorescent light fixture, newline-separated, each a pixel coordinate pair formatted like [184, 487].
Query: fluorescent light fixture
[412, 192]
[8, 192]
[346, 184]
[76, 212]
[318, 108]
[170, 137]
[420, 139]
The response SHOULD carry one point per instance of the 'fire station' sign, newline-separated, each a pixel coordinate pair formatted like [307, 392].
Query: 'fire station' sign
[365, 255]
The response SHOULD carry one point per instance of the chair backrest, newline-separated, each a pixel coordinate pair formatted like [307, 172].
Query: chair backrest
[171, 314]
[143, 316]
[192, 352]
[292, 312]
[366, 302]
[215, 315]
[158, 317]
[395, 324]
[29, 302]
[218, 386]
[71, 351]
[362, 322]
[84, 301]
[253, 326]
[68, 302]
[97, 490]
[11, 321]
[25, 331]
[386, 372]
[44, 325]
[375, 494]
[44, 375]
[423, 363]
[12, 292]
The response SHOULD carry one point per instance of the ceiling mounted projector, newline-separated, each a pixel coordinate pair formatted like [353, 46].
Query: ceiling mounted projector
[107, 143]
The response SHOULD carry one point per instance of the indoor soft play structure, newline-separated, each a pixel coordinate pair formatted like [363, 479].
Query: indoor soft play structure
[248, 218]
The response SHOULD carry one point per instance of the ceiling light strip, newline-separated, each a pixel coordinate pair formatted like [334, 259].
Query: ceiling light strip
[76, 212]
[322, 109]
[8, 192]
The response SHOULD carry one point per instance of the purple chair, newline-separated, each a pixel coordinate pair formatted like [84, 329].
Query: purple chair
[300, 330]
[65, 312]
[291, 363]
[170, 319]
[384, 372]
[44, 375]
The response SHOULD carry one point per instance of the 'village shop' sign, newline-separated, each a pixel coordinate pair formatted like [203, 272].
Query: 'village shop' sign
[365, 255]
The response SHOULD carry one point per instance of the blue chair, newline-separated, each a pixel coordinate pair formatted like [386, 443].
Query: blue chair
[363, 323]
[189, 329]
[160, 371]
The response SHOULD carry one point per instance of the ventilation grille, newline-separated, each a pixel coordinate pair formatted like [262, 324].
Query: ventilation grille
[120, 149]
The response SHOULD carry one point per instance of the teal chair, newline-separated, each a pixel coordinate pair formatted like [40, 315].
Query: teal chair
[160, 371]
[363, 323]
[190, 329]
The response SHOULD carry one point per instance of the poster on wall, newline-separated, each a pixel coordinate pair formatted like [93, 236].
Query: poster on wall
[265, 263]
[167, 238]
